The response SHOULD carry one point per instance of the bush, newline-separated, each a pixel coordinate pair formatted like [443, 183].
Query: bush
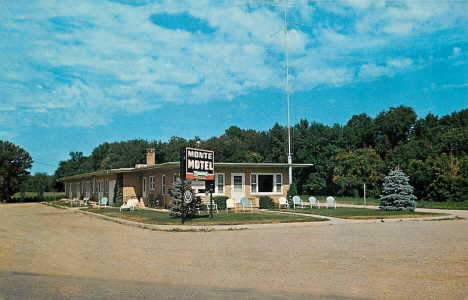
[155, 200]
[118, 192]
[33, 197]
[266, 202]
[220, 201]
[291, 193]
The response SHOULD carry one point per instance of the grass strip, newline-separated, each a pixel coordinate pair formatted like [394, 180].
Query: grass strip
[364, 213]
[221, 218]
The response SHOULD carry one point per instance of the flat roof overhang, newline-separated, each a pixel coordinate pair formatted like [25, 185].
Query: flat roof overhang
[176, 165]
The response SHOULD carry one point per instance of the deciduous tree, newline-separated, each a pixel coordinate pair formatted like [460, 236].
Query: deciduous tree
[15, 163]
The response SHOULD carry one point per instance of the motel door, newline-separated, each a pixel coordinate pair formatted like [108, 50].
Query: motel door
[237, 186]
[144, 187]
[111, 191]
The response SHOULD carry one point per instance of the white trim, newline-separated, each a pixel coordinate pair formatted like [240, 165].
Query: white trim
[274, 187]
[218, 184]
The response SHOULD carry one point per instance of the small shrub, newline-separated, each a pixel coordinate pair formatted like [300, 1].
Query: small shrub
[118, 194]
[33, 197]
[220, 201]
[155, 200]
[291, 193]
[266, 202]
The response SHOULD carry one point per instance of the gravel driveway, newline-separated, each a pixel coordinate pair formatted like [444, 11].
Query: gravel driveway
[50, 253]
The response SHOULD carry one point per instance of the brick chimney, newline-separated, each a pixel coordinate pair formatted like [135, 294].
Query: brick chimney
[150, 157]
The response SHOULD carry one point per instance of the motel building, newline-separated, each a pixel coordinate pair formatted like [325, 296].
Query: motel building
[234, 180]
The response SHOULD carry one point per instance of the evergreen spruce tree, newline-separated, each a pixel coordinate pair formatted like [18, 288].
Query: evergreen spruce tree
[397, 194]
[190, 209]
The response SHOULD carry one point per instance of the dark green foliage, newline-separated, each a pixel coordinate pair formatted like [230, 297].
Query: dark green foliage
[291, 193]
[432, 150]
[118, 190]
[356, 168]
[14, 165]
[155, 200]
[397, 193]
[266, 202]
[188, 209]
[28, 197]
[220, 201]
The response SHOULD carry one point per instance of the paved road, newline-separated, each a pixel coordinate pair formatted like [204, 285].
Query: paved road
[50, 253]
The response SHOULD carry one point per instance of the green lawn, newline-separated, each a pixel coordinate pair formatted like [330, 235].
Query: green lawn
[221, 218]
[363, 213]
[372, 201]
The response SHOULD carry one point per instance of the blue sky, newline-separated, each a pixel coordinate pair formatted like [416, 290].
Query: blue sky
[75, 74]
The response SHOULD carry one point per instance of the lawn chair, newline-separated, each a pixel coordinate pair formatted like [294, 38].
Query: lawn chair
[283, 202]
[74, 201]
[313, 202]
[130, 205]
[246, 203]
[331, 201]
[209, 207]
[103, 202]
[231, 204]
[297, 201]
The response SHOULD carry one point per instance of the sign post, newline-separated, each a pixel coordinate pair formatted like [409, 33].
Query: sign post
[182, 186]
[195, 164]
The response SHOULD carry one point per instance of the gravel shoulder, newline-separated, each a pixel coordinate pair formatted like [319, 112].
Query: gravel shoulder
[341, 260]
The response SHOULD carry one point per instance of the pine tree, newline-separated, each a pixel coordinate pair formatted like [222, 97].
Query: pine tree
[397, 194]
[190, 209]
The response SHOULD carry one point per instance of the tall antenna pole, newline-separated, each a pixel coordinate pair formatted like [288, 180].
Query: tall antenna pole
[287, 91]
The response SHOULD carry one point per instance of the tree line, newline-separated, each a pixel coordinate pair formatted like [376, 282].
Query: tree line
[432, 151]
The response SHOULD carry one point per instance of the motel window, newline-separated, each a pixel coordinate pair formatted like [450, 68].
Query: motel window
[174, 178]
[163, 185]
[253, 183]
[99, 186]
[144, 184]
[219, 184]
[279, 183]
[106, 186]
[266, 183]
[151, 183]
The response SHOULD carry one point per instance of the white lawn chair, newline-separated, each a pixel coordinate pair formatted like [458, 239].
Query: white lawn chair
[246, 203]
[283, 202]
[130, 205]
[297, 201]
[331, 201]
[231, 204]
[208, 205]
[103, 202]
[313, 202]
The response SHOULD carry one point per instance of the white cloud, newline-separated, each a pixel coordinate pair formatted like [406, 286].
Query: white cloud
[77, 61]
[389, 69]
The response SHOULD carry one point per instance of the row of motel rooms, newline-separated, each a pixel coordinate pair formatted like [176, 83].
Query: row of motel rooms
[234, 180]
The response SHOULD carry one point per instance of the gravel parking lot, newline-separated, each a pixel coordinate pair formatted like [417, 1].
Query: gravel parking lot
[50, 253]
